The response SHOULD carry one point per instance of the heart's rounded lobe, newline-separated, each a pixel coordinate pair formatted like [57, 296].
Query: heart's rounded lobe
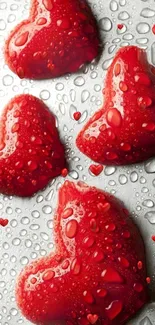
[58, 37]
[93, 275]
[31, 153]
[123, 130]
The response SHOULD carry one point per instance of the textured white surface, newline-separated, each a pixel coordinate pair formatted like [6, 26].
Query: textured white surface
[29, 233]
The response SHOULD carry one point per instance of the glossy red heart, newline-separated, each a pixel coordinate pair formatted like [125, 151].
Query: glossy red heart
[93, 275]
[123, 130]
[31, 153]
[3, 222]
[57, 38]
[96, 169]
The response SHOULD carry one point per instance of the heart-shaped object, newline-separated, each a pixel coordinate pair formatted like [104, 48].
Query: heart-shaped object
[58, 37]
[4, 222]
[123, 130]
[94, 275]
[31, 153]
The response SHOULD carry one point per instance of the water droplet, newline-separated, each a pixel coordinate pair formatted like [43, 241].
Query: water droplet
[123, 15]
[47, 209]
[84, 96]
[113, 5]
[143, 28]
[62, 108]
[2, 24]
[110, 275]
[44, 236]
[72, 95]
[83, 117]
[109, 170]
[79, 81]
[150, 216]
[145, 321]
[106, 64]
[7, 80]
[150, 166]
[74, 174]
[59, 86]
[45, 94]
[76, 266]
[16, 241]
[24, 260]
[148, 203]
[88, 297]
[123, 179]
[114, 309]
[134, 177]
[147, 13]
[105, 24]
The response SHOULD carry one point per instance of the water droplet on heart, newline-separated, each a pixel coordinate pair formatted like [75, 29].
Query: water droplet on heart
[64, 23]
[71, 229]
[22, 39]
[41, 21]
[105, 24]
[143, 28]
[65, 265]
[124, 262]
[98, 256]
[84, 96]
[88, 297]
[122, 179]
[48, 4]
[32, 165]
[48, 275]
[67, 213]
[102, 293]
[113, 5]
[148, 203]
[114, 309]
[109, 170]
[79, 81]
[126, 234]
[76, 266]
[150, 216]
[114, 117]
[110, 227]
[112, 276]
[111, 155]
[88, 241]
[138, 287]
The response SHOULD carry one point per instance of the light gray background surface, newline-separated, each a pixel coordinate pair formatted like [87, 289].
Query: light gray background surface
[30, 231]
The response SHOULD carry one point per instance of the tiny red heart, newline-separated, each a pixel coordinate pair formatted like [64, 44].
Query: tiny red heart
[153, 29]
[96, 169]
[120, 26]
[92, 318]
[31, 153]
[123, 130]
[4, 222]
[77, 116]
[57, 38]
[94, 266]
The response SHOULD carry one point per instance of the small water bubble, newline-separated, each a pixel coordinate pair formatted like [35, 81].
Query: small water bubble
[45, 94]
[83, 117]
[49, 195]
[93, 75]
[142, 180]
[62, 108]
[148, 203]
[97, 88]
[28, 243]
[16, 241]
[50, 224]
[3, 5]
[123, 15]
[84, 96]
[13, 223]
[79, 81]
[24, 260]
[128, 37]
[11, 18]
[72, 110]
[39, 198]
[134, 177]
[109, 170]
[13, 311]
[65, 99]
[123, 179]
[122, 2]
[6, 245]
[7, 80]
[149, 166]
[144, 190]
[34, 226]
[47, 209]
[150, 216]
[105, 24]
[25, 220]
[147, 13]
[35, 214]
[106, 64]
[143, 28]
[74, 174]
[44, 236]
[111, 49]
[113, 5]
[59, 86]
[23, 232]
[72, 95]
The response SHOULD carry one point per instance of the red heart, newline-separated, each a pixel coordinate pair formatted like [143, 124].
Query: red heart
[30, 150]
[123, 130]
[57, 38]
[4, 222]
[94, 271]
[96, 169]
